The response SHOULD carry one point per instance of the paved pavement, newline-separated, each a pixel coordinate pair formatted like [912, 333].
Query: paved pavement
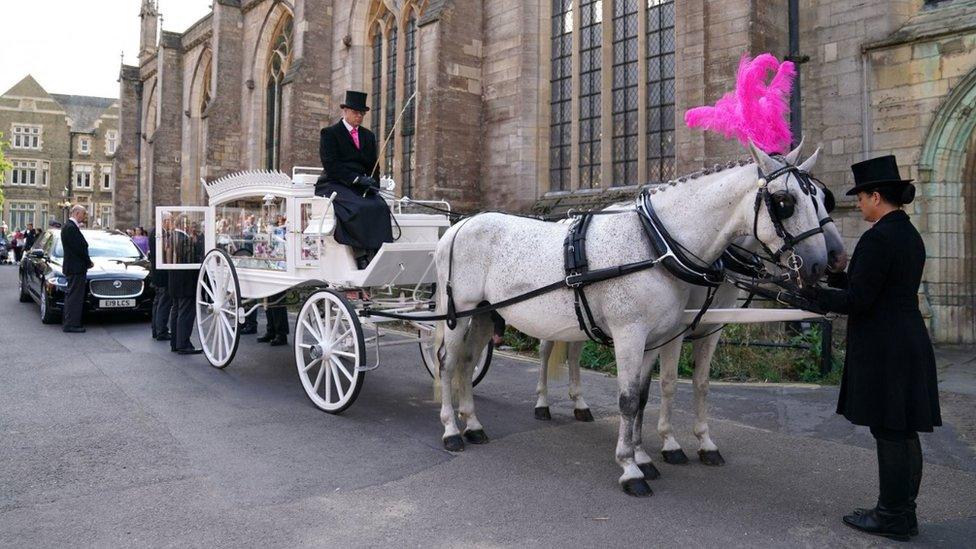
[107, 439]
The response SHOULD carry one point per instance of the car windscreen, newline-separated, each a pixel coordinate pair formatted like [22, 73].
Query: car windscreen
[116, 246]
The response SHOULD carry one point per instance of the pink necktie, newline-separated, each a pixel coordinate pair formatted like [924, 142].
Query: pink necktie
[355, 136]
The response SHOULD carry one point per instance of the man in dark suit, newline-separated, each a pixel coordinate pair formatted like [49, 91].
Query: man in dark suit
[187, 248]
[75, 267]
[889, 382]
[349, 157]
[159, 278]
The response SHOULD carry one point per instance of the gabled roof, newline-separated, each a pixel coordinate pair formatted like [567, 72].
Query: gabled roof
[83, 112]
[28, 87]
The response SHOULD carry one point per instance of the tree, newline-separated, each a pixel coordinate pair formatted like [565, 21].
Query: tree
[4, 166]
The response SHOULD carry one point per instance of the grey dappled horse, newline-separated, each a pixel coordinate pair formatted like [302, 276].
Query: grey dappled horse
[493, 257]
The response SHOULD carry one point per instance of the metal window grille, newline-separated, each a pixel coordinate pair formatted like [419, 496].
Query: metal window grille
[378, 78]
[391, 75]
[560, 104]
[409, 116]
[591, 36]
[660, 90]
[625, 54]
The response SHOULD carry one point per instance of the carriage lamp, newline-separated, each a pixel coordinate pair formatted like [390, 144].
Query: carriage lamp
[387, 183]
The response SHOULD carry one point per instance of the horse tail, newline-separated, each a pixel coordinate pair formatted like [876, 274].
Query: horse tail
[440, 355]
[557, 357]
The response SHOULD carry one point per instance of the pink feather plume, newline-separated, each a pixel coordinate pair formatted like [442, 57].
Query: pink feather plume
[755, 111]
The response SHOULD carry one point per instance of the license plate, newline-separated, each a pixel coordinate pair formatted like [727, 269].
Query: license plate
[116, 303]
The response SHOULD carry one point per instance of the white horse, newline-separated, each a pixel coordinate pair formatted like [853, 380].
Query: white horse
[704, 339]
[493, 257]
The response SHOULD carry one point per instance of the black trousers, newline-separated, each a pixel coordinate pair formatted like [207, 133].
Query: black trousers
[74, 300]
[162, 304]
[277, 318]
[899, 468]
[18, 254]
[181, 319]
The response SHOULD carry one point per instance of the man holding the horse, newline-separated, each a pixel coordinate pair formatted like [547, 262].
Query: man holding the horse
[889, 381]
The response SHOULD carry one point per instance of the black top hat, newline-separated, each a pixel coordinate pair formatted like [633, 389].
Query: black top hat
[876, 172]
[356, 101]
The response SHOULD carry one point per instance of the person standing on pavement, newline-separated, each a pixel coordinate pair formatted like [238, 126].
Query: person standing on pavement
[17, 242]
[30, 236]
[159, 278]
[889, 382]
[182, 289]
[75, 267]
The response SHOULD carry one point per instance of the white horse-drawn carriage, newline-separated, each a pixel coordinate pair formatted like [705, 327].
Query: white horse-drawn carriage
[266, 241]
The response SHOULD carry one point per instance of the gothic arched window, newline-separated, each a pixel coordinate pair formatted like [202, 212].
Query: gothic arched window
[392, 57]
[278, 63]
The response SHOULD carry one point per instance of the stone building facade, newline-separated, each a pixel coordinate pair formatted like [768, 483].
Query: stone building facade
[543, 104]
[63, 150]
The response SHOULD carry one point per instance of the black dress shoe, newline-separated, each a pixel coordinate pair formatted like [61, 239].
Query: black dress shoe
[881, 522]
[278, 341]
[189, 351]
[266, 338]
[73, 330]
[164, 337]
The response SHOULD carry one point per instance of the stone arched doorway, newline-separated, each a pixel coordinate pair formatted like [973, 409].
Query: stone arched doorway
[946, 213]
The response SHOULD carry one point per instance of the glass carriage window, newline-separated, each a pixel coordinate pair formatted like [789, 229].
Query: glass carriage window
[409, 115]
[254, 232]
[377, 92]
[625, 92]
[560, 104]
[277, 68]
[660, 90]
[391, 63]
[591, 35]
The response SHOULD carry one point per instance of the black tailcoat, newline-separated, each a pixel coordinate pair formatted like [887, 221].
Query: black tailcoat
[76, 259]
[889, 376]
[362, 222]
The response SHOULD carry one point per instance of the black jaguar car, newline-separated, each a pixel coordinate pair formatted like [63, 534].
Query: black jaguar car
[118, 282]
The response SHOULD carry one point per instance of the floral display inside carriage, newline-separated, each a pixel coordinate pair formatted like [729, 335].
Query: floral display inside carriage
[254, 232]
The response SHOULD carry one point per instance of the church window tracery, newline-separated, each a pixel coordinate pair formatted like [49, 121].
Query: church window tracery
[278, 64]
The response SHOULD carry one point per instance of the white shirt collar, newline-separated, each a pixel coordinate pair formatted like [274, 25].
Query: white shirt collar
[347, 125]
[75, 221]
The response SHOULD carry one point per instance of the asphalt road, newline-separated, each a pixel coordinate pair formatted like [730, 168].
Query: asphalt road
[108, 439]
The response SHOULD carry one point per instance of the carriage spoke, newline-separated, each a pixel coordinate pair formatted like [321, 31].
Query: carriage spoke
[318, 380]
[344, 334]
[207, 289]
[311, 330]
[345, 372]
[329, 380]
[311, 364]
[318, 320]
[345, 354]
[335, 379]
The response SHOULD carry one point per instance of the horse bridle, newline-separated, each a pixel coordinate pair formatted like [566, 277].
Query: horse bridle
[781, 205]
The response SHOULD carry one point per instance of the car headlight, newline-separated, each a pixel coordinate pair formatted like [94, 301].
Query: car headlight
[60, 281]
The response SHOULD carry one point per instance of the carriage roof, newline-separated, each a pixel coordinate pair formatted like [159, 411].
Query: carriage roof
[300, 184]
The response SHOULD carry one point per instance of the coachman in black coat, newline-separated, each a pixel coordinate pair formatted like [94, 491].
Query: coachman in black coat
[889, 380]
[362, 216]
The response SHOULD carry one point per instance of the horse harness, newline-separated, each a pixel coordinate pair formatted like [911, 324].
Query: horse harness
[665, 250]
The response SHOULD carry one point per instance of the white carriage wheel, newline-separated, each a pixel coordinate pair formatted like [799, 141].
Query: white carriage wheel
[218, 302]
[427, 354]
[329, 351]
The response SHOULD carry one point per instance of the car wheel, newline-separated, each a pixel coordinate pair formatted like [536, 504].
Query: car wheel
[24, 296]
[48, 316]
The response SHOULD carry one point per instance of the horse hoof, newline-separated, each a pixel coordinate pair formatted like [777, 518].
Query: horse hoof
[454, 443]
[637, 487]
[674, 457]
[649, 470]
[476, 437]
[711, 457]
[542, 413]
[583, 415]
